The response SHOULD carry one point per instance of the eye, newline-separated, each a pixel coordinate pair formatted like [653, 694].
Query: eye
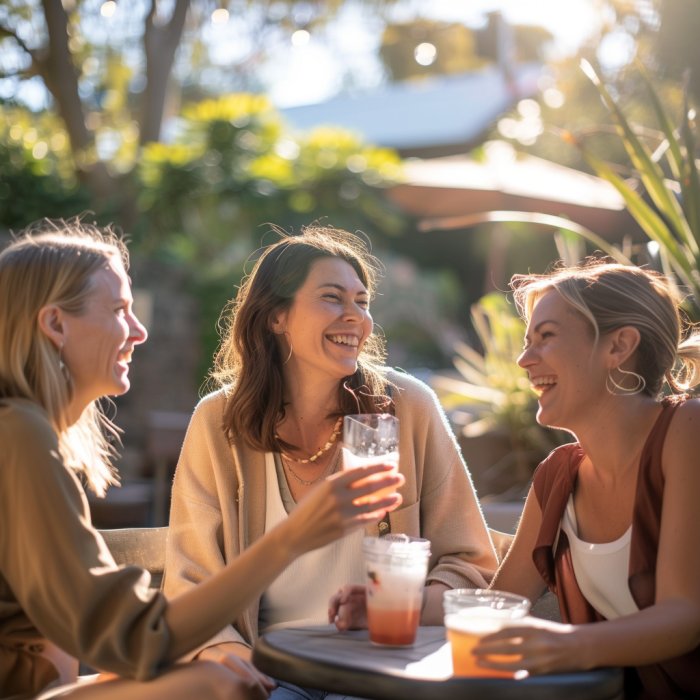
[363, 302]
[335, 297]
[546, 334]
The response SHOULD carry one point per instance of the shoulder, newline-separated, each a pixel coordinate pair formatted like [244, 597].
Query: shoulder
[407, 389]
[210, 409]
[24, 423]
[554, 468]
[683, 437]
[28, 440]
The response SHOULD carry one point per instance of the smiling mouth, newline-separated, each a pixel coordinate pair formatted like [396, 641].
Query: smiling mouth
[348, 341]
[541, 385]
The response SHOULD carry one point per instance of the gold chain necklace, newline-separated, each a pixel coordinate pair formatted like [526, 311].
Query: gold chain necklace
[333, 463]
[336, 431]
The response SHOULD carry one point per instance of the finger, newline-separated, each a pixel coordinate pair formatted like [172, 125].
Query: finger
[351, 475]
[383, 504]
[391, 481]
[510, 633]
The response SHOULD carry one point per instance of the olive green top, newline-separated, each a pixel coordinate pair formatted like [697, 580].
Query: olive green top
[58, 581]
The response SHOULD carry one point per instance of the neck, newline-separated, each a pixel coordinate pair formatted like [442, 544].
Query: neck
[76, 408]
[309, 401]
[614, 433]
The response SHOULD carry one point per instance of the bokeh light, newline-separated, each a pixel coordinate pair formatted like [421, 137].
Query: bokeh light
[301, 37]
[425, 54]
[219, 16]
[108, 8]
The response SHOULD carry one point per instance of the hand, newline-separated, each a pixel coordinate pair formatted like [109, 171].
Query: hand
[237, 658]
[540, 647]
[329, 511]
[348, 608]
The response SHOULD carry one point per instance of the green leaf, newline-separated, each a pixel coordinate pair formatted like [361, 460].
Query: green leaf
[650, 173]
[468, 391]
[646, 217]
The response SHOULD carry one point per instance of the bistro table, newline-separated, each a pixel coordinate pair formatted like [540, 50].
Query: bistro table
[347, 663]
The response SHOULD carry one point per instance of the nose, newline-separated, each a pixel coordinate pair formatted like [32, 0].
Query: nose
[137, 332]
[527, 358]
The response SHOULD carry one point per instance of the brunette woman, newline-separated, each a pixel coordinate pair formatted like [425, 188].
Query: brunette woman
[67, 334]
[611, 521]
[299, 353]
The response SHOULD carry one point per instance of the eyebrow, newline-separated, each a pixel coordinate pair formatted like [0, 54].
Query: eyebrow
[339, 287]
[542, 323]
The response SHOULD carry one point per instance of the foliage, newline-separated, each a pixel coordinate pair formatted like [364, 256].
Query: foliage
[498, 386]
[674, 225]
[36, 178]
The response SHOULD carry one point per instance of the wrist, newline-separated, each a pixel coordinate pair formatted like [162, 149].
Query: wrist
[285, 546]
[585, 646]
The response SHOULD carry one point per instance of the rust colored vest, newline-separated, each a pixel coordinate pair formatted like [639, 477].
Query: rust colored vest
[553, 483]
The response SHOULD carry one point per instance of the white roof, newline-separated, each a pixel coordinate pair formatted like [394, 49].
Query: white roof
[504, 170]
[432, 112]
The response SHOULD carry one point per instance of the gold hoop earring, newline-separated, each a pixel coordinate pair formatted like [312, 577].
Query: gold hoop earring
[62, 365]
[291, 350]
[619, 390]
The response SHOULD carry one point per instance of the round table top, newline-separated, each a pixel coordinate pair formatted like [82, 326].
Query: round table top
[347, 663]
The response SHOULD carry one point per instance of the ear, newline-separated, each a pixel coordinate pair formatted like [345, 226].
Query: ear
[278, 322]
[51, 321]
[624, 341]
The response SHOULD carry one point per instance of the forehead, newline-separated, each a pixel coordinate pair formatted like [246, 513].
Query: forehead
[111, 281]
[550, 306]
[334, 271]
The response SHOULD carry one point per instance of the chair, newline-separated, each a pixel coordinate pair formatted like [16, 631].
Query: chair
[144, 547]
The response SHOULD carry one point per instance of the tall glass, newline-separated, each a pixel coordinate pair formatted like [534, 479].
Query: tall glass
[472, 613]
[371, 438]
[396, 567]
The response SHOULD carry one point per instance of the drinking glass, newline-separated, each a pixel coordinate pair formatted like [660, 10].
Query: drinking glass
[395, 567]
[371, 438]
[472, 613]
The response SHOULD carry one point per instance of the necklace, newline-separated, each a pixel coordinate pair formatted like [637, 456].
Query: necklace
[325, 448]
[326, 471]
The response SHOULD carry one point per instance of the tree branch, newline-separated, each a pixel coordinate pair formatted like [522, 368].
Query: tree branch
[7, 32]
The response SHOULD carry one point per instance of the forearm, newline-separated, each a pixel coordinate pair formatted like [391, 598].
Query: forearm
[432, 612]
[663, 631]
[197, 615]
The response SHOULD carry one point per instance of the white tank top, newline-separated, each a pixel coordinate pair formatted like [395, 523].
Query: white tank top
[602, 570]
[299, 596]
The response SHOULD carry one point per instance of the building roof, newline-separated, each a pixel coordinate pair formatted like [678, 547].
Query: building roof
[420, 114]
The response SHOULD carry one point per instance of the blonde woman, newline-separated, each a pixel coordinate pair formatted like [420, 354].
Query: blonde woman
[611, 522]
[67, 333]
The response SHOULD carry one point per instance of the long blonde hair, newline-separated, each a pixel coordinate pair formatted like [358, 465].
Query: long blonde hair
[609, 296]
[52, 262]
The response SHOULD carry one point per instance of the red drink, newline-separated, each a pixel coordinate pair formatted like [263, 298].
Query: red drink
[393, 627]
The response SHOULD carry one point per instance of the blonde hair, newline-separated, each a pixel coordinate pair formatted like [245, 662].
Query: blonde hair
[609, 296]
[52, 262]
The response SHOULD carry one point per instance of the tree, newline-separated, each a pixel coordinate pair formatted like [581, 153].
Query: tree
[109, 82]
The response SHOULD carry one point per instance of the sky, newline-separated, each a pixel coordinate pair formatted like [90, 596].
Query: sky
[346, 49]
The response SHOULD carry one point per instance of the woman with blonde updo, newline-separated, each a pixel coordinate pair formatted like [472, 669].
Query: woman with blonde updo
[611, 522]
[67, 333]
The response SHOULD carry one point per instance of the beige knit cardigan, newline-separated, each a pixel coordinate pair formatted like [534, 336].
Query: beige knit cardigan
[218, 504]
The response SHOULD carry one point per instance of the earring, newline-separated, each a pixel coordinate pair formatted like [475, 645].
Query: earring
[621, 390]
[62, 365]
[291, 350]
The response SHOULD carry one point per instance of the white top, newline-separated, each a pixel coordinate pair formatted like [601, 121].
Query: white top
[299, 596]
[602, 570]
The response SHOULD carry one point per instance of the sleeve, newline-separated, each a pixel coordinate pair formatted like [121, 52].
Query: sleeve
[60, 569]
[195, 549]
[463, 555]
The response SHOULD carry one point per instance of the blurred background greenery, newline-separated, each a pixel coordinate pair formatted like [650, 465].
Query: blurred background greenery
[191, 124]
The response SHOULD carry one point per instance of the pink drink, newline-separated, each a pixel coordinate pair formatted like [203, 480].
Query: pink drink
[352, 461]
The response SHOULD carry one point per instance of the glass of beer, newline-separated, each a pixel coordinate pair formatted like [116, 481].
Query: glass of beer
[371, 438]
[396, 567]
[472, 613]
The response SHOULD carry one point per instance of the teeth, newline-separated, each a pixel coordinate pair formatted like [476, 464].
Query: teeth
[350, 340]
[540, 384]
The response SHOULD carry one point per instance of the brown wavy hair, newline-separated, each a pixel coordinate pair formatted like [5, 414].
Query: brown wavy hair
[248, 364]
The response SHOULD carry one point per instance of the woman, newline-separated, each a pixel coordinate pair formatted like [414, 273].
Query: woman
[67, 333]
[610, 523]
[299, 353]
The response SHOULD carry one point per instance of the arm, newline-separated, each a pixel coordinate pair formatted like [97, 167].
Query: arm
[517, 573]
[325, 514]
[665, 630]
